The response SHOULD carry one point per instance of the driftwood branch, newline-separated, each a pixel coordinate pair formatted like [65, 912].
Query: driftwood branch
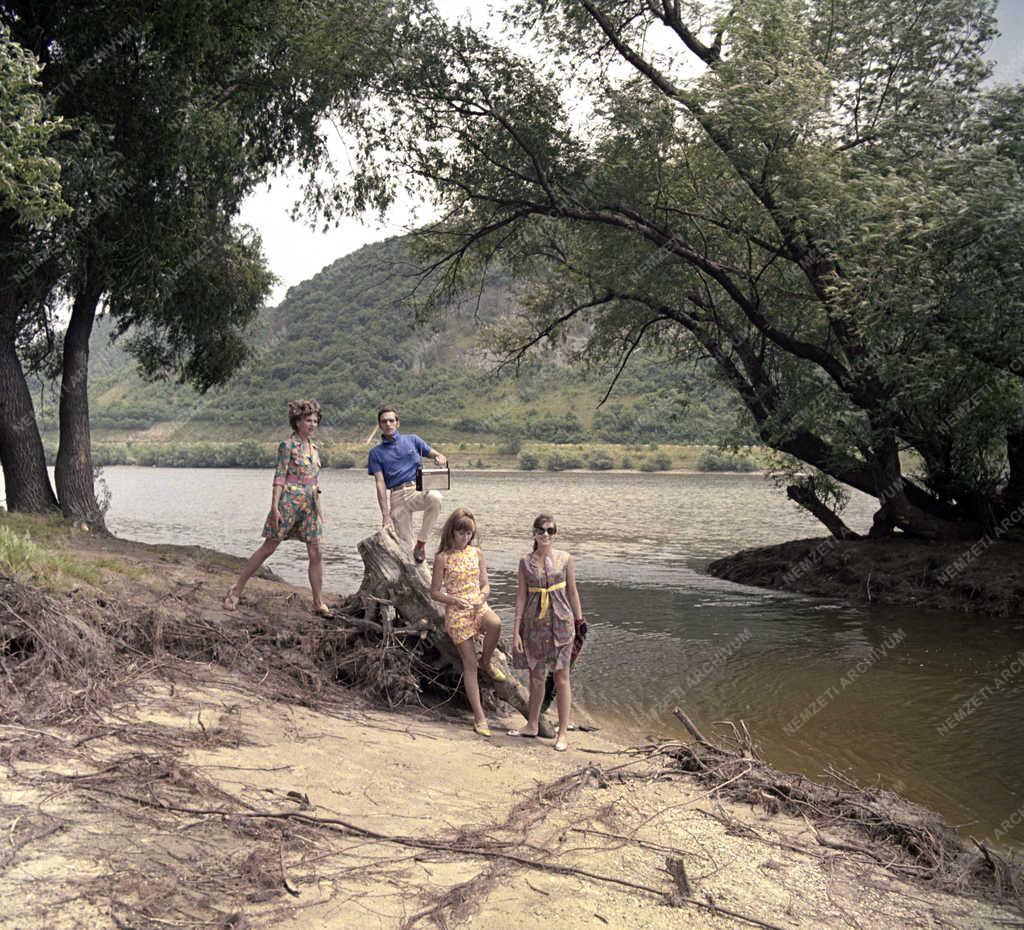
[494, 851]
[691, 727]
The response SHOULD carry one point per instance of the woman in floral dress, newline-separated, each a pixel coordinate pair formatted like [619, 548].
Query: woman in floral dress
[548, 612]
[460, 569]
[295, 508]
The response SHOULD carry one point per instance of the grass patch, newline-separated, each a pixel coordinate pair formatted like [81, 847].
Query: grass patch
[22, 557]
[45, 529]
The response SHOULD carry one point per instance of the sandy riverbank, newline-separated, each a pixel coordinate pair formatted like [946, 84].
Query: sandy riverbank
[186, 792]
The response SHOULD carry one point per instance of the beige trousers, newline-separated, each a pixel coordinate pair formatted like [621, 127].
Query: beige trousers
[405, 502]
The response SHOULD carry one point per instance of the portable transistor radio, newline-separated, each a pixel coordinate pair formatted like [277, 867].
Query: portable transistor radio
[433, 479]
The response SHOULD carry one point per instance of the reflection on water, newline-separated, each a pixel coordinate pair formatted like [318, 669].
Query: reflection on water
[815, 681]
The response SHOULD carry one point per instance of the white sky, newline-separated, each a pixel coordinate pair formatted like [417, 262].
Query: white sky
[297, 250]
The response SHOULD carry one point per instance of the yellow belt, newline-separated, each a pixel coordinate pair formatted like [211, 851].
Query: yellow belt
[544, 592]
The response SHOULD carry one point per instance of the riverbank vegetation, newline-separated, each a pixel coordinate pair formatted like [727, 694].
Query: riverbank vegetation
[462, 453]
[441, 378]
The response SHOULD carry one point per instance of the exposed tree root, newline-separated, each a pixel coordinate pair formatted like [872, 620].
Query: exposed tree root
[904, 838]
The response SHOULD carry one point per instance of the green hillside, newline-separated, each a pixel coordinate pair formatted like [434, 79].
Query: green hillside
[348, 338]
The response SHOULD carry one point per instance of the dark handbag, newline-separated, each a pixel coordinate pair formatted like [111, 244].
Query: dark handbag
[433, 479]
[578, 639]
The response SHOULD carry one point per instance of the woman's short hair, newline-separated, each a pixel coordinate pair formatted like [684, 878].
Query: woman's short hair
[300, 409]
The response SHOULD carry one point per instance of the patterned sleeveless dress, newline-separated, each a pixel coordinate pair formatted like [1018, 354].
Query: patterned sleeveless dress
[547, 626]
[462, 579]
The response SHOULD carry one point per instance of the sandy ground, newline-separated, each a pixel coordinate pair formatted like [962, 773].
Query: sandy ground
[80, 854]
[197, 800]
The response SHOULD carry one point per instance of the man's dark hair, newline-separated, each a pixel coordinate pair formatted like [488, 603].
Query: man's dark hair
[384, 410]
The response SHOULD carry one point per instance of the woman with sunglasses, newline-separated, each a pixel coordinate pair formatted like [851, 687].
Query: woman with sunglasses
[548, 612]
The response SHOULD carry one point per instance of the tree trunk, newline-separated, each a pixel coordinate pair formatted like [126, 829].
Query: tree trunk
[21, 447]
[882, 524]
[1013, 493]
[905, 504]
[806, 498]
[389, 575]
[897, 507]
[74, 474]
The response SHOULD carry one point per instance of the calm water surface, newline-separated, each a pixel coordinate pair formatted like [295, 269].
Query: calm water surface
[818, 682]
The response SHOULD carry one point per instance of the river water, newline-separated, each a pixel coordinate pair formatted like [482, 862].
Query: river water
[928, 702]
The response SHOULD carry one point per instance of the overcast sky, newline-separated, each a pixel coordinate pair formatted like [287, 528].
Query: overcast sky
[297, 251]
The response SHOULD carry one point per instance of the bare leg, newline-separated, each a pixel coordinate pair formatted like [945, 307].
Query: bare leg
[490, 626]
[563, 699]
[248, 570]
[316, 573]
[536, 698]
[467, 652]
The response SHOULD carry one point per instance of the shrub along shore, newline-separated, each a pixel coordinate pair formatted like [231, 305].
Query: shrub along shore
[533, 456]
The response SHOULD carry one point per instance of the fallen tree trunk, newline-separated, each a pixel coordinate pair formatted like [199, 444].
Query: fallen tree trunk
[394, 603]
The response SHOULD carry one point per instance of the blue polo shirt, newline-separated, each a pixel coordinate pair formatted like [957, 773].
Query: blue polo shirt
[398, 458]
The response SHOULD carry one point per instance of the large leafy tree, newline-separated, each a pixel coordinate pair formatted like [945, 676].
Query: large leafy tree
[29, 193]
[175, 113]
[819, 195]
[29, 176]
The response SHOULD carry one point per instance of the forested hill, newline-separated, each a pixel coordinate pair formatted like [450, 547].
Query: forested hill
[347, 337]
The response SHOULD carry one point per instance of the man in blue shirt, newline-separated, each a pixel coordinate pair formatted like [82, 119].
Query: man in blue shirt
[393, 463]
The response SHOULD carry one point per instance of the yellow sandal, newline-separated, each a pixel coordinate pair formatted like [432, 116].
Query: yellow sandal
[495, 674]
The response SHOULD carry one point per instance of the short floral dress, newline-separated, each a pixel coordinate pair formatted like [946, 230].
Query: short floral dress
[547, 627]
[297, 474]
[462, 579]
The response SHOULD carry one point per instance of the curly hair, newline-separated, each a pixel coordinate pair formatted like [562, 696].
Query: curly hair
[299, 409]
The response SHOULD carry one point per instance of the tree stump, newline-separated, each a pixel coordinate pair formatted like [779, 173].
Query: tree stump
[395, 592]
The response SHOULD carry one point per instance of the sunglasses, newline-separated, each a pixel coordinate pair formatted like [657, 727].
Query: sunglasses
[541, 530]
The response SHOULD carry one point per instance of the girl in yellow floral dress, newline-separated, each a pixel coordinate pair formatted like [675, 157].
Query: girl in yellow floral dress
[460, 568]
